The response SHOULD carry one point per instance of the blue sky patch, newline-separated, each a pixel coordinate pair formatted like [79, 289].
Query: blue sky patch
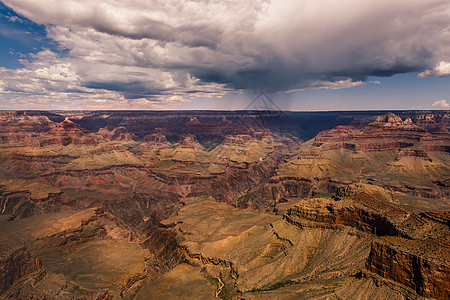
[20, 37]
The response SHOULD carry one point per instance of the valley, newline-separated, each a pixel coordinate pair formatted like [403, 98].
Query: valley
[227, 205]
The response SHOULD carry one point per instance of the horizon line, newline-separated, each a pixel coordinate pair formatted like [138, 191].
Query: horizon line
[212, 110]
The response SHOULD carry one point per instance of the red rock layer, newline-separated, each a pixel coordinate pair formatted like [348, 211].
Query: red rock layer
[15, 265]
[412, 249]
[429, 278]
[434, 122]
[387, 132]
[358, 217]
[117, 134]
[21, 128]
[68, 132]
[157, 136]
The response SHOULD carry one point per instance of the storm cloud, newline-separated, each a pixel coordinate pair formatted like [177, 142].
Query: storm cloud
[162, 50]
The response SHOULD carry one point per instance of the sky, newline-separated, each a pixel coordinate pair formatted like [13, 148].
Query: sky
[221, 54]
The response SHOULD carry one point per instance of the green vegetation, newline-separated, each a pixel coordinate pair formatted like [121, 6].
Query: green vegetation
[238, 201]
[273, 286]
[229, 291]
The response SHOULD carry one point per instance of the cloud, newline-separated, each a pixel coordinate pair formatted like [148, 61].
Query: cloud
[14, 19]
[195, 48]
[441, 104]
[440, 70]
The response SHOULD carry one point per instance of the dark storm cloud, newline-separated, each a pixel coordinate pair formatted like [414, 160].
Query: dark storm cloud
[131, 90]
[154, 48]
[191, 36]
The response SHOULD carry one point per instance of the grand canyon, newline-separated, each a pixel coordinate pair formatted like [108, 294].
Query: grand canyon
[224, 205]
[238, 149]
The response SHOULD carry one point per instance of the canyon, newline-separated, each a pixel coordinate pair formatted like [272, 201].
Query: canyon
[228, 205]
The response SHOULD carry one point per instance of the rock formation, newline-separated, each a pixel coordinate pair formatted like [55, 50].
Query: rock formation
[230, 205]
[16, 264]
[386, 151]
[117, 134]
[427, 276]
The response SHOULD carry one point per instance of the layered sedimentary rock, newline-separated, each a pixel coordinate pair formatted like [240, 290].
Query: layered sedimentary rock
[117, 134]
[436, 121]
[157, 136]
[121, 204]
[427, 276]
[257, 256]
[16, 264]
[412, 249]
[390, 151]
[82, 252]
[68, 132]
[21, 129]
[385, 133]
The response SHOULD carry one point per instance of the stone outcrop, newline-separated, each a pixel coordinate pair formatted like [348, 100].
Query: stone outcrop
[233, 194]
[428, 277]
[68, 132]
[156, 137]
[16, 264]
[19, 204]
[242, 179]
[385, 133]
[392, 152]
[189, 141]
[117, 134]
[411, 249]
[433, 122]
[21, 129]
[331, 214]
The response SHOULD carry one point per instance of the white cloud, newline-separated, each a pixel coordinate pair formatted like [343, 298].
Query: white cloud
[14, 19]
[440, 70]
[330, 85]
[440, 104]
[195, 48]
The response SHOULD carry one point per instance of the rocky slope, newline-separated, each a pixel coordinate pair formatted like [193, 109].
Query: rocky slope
[390, 152]
[68, 132]
[427, 276]
[230, 205]
[117, 134]
[17, 264]
[412, 249]
[22, 129]
[256, 256]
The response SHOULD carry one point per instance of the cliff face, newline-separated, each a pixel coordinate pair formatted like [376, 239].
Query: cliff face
[111, 201]
[17, 264]
[36, 130]
[156, 137]
[434, 122]
[19, 204]
[387, 132]
[411, 249]
[427, 277]
[117, 134]
[274, 191]
[363, 219]
[68, 132]
[237, 183]
[22, 129]
[390, 152]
